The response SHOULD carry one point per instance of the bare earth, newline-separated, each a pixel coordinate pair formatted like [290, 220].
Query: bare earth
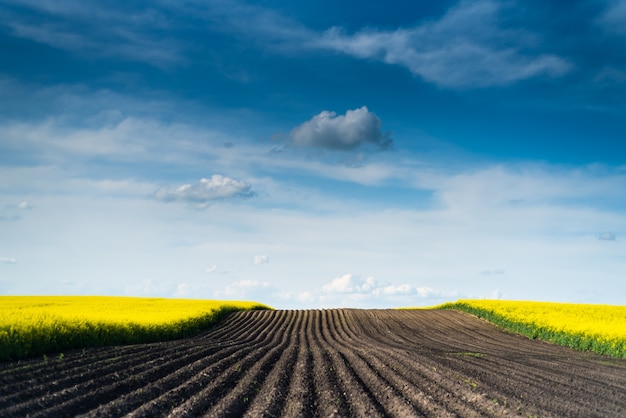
[322, 363]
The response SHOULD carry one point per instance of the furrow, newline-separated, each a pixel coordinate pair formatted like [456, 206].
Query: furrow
[360, 401]
[224, 393]
[262, 390]
[151, 391]
[388, 394]
[423, 402]
[271, 399]
[28, 371]
[54, 389]
[107, 388]
[69, 373]
[82, 398]
[330, 399]
[452, 390]
[299, 402]
[532, 381]
[249, 325]
[156, 386]
[227, 325]
[212, 378]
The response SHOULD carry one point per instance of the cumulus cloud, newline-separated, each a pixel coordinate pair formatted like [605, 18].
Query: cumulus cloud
[349, 290]
[206, 191]
[464, 48]
[261, 259]
[341, 132]
[7, 260]
[350, 284]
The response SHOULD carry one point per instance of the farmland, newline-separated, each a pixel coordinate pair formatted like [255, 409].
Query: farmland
[339, 362]
[37, 325]
[598, 328]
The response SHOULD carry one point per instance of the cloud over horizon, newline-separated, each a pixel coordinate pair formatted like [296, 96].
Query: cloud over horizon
[349, 289]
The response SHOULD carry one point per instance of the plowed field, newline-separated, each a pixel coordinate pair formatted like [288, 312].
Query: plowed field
[367, 363]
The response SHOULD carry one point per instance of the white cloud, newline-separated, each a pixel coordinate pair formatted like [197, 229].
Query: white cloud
[211, 269]
[427, 292]
[8, 260]
[261, 259]
[350, 284]
[341, 132]
[465, 48]
[403, 289]
[205, 191]
[350, 290]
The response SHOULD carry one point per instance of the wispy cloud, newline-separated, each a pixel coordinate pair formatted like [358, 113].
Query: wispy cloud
[263, 25]
[341, 132]
[465, 48]
[98, 31]
[468, 47]
[8, 260]
[206, 191]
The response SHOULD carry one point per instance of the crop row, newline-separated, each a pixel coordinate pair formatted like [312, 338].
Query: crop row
[38, 325]
[583, 327]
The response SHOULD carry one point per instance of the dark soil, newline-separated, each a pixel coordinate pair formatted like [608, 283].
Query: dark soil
[323, 363]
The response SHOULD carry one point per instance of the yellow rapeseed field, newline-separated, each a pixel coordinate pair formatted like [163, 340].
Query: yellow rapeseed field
[599, 328]
[36, 325]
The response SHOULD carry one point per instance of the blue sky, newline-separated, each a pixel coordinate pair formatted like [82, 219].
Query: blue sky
[318, 154]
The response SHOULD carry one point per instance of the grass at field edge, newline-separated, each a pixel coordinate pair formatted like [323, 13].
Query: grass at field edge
[576, 341]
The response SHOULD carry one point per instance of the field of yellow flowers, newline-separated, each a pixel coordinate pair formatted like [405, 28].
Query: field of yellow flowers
[36, 325]
[598, 328]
